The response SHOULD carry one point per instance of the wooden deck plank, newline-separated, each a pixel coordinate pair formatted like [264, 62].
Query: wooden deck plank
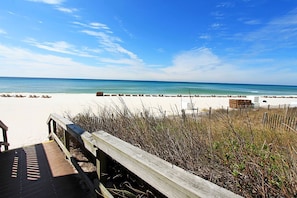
[58, 167]
[38, 171]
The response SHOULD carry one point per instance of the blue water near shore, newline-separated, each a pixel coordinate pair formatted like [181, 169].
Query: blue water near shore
[55, 85]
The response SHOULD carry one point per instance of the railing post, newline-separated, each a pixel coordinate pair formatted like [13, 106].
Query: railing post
[54, 127]
[5, 139]
[101, 162]
[4, 133]
[66, 139]
[49, 129]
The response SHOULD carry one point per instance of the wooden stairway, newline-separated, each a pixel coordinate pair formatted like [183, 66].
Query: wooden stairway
[38, 171]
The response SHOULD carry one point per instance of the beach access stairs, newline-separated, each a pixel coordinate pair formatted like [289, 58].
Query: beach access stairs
[49, 169]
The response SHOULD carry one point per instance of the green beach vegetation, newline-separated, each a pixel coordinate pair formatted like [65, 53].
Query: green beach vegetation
[234, 149]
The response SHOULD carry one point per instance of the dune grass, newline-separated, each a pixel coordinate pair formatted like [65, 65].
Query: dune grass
[230, 148]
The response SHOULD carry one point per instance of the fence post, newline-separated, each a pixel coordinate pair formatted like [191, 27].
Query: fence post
[209, 113]
[287, 109]
[183, 114]
[264, 119]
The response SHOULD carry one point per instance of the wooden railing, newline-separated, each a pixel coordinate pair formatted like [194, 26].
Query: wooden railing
[4, 133]
[166, 178]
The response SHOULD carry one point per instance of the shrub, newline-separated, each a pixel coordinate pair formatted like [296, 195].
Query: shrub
[230, 148]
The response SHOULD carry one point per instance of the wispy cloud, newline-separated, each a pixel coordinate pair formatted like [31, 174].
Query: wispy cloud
[105, 38]
[282, 31]
[249, 21]
[61, 47]
[205, 36]
[26, 63]
[121, 24]
[252, 22]
[111, 44]
[160, 50]
[225, 4]
[2, 31]
[23, 62]
[218, 15]
[216, 26]
[52, 2]
[93, 25]
[66, 10]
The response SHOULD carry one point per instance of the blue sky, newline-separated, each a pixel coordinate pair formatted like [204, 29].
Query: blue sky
[239, 41]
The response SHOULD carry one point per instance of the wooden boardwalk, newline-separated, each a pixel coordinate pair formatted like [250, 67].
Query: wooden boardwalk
[38, 171]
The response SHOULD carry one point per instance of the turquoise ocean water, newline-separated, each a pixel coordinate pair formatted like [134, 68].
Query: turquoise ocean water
[54, 85]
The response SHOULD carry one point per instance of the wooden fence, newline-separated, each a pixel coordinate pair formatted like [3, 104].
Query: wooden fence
[166, 178]
[276, 121]
[4, 133]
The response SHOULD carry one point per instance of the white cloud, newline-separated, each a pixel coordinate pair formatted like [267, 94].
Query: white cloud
[2, 31]
[121, 24]
[252, 22]
[203, 65]
[62, 47]
[52, 2]
[195, 60]
[111, 44]
[225, 5]
[96, 25]
[22, 62]
[197, 65]
[193, 65]
[282, 31]
[205, 37]
[160, 50]
[121, 62]
[218, 15]
[66, 10]
[216, 26]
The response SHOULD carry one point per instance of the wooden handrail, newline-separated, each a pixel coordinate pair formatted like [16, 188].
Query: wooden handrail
[168, 179]
[4, 133]
[3, 126]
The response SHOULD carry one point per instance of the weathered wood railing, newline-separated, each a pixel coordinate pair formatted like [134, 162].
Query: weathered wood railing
[168, 179]
[4, 133]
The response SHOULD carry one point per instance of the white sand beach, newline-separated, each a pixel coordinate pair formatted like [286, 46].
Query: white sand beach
[26, 116]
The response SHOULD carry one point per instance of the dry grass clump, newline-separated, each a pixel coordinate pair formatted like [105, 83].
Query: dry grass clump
[232, 149]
